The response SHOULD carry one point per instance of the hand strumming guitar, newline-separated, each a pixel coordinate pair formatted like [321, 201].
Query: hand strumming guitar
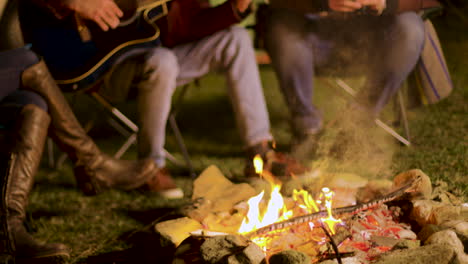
[105, 13]
[354, 5]
[344, 5]
[377, 5]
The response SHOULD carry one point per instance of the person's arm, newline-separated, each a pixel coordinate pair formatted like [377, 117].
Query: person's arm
[189, 20]
[105, 13]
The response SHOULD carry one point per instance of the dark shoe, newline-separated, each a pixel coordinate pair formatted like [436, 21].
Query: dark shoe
[106, 172]
[28, 250]
[163, 185]
[278, 164]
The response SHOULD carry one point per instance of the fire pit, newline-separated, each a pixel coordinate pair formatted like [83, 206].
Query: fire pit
[408, 222]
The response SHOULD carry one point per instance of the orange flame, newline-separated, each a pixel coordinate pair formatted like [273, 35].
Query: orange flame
[258, 164]
[262, 213]
[274, 211]
[330, 221]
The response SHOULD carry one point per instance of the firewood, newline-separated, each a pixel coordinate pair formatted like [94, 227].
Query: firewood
[176, 230]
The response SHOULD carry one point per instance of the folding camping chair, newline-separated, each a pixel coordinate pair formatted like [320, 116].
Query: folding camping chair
[129, 130]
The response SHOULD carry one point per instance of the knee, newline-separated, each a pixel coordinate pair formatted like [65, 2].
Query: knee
[239, 38]
[161, 63]
[26, 57]
[28, 97]
[411, 30]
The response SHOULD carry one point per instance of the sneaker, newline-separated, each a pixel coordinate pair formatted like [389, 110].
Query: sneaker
[163, 185]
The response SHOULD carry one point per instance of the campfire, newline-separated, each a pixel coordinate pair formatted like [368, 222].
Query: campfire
[234, 223]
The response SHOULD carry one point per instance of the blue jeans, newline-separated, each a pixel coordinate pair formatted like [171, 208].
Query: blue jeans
[161, 70]
[383, 48]
[12, 99]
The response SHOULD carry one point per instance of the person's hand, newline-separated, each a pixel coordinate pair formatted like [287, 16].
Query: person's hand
[344, 5]
[105, 13]
[377, 5]
[242, 5]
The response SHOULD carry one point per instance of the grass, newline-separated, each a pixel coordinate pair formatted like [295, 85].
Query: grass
[97, 228]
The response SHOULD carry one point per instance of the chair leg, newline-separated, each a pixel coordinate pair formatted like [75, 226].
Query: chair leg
[405, 141]
[181, 143]
[124, 122]
[404, 117]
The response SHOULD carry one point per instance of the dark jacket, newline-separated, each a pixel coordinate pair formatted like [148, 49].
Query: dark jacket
[190, 20]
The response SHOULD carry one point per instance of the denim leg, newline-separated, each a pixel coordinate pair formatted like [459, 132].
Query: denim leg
[400, 49]
[11, 105]
[230, 51]
[150, 76]
[290, 47]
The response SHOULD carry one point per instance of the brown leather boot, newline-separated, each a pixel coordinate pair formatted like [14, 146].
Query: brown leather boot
[94, 170]
[17, 176]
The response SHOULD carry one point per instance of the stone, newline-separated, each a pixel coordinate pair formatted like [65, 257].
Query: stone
[422, 211]
[431, 212]
[460, 226]
[232, 249]
[176, 230]
[423, 189]
[385, 241]
[437, 253]
[429, 230]
[289, 257]
[445, 213]
[449, 237]
[406, 244]
[188, 252]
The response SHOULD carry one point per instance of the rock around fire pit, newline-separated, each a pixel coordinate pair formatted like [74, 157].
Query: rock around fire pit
[409, 220]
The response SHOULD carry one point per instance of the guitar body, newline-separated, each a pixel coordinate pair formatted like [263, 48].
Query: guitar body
[77, 60]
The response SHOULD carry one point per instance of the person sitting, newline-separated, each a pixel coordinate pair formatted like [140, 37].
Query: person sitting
[94, 171]
[197, 39]
[381, 39]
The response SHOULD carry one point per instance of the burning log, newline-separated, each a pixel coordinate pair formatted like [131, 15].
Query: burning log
[408, 187]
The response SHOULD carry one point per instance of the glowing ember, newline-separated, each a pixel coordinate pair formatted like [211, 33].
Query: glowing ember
[264, 210]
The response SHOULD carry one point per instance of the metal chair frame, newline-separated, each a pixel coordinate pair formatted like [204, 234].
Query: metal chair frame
[129, 130]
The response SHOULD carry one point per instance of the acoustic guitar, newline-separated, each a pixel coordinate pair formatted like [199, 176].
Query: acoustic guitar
[78, 52]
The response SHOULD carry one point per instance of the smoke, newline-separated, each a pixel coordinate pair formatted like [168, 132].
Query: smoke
[352, 144]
